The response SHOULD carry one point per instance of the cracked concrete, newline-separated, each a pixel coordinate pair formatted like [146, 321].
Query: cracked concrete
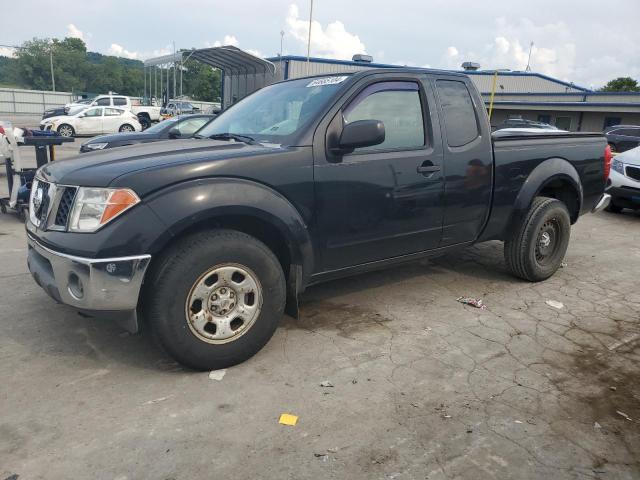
[424, 387]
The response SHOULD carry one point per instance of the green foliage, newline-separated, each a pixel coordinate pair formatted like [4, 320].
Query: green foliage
[76, 70]
[621, 84]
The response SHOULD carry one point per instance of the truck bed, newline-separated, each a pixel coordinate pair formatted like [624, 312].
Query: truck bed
[518, 154]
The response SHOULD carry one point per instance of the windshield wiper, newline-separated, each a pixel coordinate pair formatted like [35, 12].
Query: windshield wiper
[233, 136]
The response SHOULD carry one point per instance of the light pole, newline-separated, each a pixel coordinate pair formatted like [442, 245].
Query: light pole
[309, 38]
[53, 78]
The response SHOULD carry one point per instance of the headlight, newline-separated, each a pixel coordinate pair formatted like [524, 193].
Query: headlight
[96, 146]
[618, 166]
[94, 207]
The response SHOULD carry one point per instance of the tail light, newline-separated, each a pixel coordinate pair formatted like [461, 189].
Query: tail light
[607, 162]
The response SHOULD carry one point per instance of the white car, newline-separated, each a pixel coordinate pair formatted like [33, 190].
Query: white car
[624, 181]
[147, 114]
[93, 121]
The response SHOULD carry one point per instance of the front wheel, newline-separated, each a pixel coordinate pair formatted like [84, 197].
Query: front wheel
[537, 246]
[66, 130]
[215, 299]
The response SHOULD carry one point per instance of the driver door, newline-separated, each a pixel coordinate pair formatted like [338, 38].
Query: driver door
[91, 121]
[385, 200]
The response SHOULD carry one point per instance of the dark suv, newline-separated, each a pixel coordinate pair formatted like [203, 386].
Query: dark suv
[623, 137]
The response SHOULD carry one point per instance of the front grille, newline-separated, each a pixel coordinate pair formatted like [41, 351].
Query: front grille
[40, 201]
[633, 172]
[50, 205]
[64, 206]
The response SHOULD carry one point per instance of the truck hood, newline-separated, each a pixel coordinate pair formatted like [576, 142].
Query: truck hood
[101, 168]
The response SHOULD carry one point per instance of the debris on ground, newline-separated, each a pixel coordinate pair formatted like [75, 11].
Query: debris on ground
[326, 384]
[474, 302]
[517, 421]
[323, 456]
[555, 304]
[597, 426]
[217, 374]
[157, 400]
[563, 265]
[628, 339]
[288, 419]
[622, 414]
[613, 389]
[354, 381]
[14, 476]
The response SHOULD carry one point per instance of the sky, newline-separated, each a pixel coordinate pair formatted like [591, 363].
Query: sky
[586, 42]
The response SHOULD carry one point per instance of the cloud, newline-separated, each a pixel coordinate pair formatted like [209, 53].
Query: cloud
[553, 53]
[334, 41]
[74, 32]
[227, 40]
[120, 51]
[7, 52]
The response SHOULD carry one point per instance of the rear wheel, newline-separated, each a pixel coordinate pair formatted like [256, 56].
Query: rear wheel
[144, 122]
[613, 208]
[66, 130]
[126, 128]
[538, 244]
[215, 299]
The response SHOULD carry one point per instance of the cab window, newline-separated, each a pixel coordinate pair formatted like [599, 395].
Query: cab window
[119, 101]
[398, 106]
[461, 124]
[103, 101]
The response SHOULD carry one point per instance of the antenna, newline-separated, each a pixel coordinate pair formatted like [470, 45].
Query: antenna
[528, 67]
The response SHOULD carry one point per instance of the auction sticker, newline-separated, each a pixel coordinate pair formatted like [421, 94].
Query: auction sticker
[319, 82]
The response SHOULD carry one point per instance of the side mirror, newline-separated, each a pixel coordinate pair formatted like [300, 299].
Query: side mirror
[174, 133]
[361, 133]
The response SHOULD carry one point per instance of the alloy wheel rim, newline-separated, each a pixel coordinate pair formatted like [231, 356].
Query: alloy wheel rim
[65, 131]
[223, 303]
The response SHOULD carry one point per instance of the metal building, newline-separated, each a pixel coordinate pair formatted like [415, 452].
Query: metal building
[528, 95]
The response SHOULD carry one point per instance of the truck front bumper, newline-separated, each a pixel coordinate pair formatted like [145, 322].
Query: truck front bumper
[109, 286]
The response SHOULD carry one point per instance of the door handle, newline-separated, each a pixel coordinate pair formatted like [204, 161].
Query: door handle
[428, 168]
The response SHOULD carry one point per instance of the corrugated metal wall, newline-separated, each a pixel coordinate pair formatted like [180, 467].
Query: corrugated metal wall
[31, 102]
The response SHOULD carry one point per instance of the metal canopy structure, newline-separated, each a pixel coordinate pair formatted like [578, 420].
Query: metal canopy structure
[248, 72]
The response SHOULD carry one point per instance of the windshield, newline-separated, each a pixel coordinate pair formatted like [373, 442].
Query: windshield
[158, 127]
[277, 111]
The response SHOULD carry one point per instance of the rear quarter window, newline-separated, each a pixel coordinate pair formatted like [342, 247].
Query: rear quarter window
[459, 114]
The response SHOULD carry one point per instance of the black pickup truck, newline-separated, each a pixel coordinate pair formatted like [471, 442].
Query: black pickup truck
[209, 240]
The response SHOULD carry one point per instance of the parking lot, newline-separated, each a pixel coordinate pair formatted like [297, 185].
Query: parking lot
[423, 386]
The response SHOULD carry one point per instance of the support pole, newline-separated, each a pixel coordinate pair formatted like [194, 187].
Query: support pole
[493, 93]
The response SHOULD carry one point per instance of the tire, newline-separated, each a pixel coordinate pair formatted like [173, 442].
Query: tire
[613, 208]
[66, 130]
[126, 128]
[201, 267]
[538, 244]
[144, 122]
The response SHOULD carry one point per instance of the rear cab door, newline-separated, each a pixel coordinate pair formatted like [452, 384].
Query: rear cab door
[468, 158]
[382, 201]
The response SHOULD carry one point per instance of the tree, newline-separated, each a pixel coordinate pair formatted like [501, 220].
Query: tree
[621, 84]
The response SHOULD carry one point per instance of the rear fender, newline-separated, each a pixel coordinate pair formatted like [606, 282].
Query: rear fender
[541, 176]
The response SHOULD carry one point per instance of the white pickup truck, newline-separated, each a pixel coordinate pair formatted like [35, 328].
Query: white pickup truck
[146, 114]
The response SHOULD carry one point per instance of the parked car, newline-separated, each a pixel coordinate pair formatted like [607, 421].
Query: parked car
[523, 123]
[93, 121]
[147, 114]
[624, 182]
[57, 111]
[623, 137]
[182, 126]
[174, 108]
[303, 181]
